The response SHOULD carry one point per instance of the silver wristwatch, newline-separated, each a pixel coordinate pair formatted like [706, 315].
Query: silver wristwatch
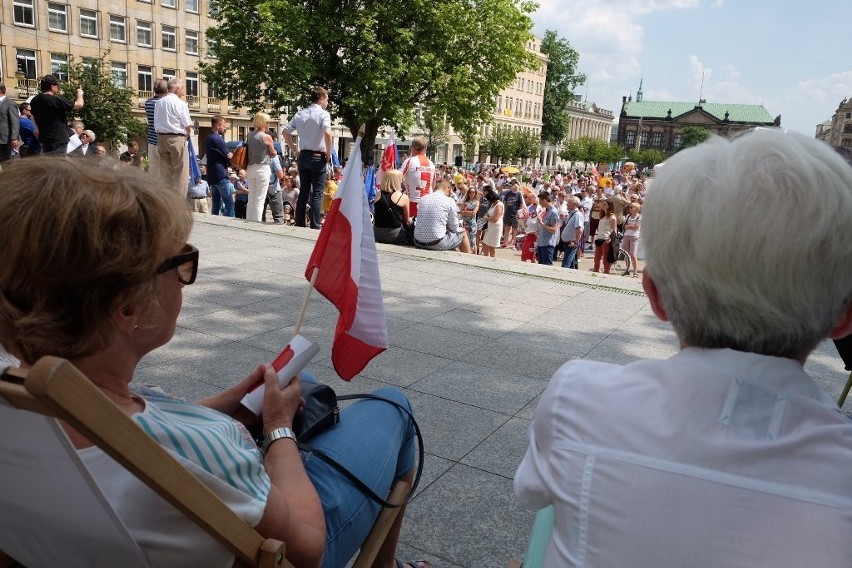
[275, 435]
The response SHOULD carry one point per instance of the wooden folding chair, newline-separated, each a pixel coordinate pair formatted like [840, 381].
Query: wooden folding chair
[43, 478]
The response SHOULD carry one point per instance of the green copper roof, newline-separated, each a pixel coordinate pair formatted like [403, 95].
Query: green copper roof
[736, 113]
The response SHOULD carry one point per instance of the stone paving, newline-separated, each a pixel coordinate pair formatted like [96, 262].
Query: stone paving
[473, 342]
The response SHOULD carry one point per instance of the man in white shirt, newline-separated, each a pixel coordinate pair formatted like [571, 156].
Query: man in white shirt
[437, 226]
[728, 453]
[174, 127]
[313, 125]
[419, 173]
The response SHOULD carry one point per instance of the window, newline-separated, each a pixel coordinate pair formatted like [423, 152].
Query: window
[144, 35]
[192, 6]
[117, 29]
[657, 139]
[213, 91]
[241, 132]
[169, 38]
[191, 84]
[169, 73]
[676, 141]
[59, 66]
[24, 13]
[630, 139]
[191, 42]
[849, 115]
[847, 128]
[169, 3]
[499, 103]
[88, 23]
[145, 79]
[119, 74]
[26, 60]
[57, 17]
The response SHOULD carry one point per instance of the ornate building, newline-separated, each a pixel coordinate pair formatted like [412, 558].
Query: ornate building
[837, 131]
[659, 124]
[146, 39]
[587, 119]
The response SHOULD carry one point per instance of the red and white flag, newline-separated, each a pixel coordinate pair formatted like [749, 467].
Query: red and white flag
[345, 255]
[388, 159]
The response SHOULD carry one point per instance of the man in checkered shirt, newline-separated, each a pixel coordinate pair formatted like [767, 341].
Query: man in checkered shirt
[437, 226]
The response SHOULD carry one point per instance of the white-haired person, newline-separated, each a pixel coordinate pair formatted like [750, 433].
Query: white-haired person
[728, 453]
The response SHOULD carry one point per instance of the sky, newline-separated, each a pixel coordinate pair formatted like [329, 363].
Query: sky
[791, 57]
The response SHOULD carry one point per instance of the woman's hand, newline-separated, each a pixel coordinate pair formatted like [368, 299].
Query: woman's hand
[279, 405]
[228, 401]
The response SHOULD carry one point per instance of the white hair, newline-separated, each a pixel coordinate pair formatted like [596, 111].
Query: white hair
[90, 134]
[173, 83]
[746, 242]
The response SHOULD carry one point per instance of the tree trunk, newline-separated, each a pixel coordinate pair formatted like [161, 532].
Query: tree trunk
[368, 141]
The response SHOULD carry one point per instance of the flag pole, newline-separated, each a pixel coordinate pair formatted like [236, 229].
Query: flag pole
[310, 289]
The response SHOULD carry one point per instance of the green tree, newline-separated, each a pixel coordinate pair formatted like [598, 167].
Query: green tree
[650, 158]
[378, 59]
[500, 144]
[436, 130]
[562, 78]
[693, 136]
[108, 105]
[525, 145]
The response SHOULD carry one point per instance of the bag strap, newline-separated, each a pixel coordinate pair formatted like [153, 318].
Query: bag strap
[363, 487]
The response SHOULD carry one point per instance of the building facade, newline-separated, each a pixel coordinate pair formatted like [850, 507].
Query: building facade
[586, 119]
[659, 124]
[837, 131]
[146, 40]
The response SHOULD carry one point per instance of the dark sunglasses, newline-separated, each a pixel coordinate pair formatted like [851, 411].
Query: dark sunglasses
[186, 264]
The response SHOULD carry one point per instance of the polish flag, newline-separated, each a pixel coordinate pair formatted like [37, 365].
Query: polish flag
[389, 157]
[345, 255]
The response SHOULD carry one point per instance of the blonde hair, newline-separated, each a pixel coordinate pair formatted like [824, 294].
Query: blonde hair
[260, 120]
[392, 181]
[81, 242]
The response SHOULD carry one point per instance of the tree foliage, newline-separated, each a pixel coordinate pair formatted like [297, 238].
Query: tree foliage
[591, 151]
[646, 158]
[108, 107]
[562, 78]
[378, 59]
[507, 144]
[693, 136]
[436, 129]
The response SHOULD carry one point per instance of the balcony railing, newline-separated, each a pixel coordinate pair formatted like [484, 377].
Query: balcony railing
[193, 101]
[27, 87]
[214, 104]
[143, 96]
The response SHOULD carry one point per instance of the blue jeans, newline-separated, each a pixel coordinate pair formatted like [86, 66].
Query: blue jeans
[223, 198]
[312, 176]
[569, 258]
[374, 441]
[544, 254]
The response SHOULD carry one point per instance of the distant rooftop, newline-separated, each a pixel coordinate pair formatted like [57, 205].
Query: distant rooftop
[736, 112]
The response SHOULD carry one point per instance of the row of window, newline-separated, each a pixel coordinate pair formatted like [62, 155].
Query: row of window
[656, 139]
[24, 12]
[90, 26]
[529, 86]
[518, 108]
[28, 63]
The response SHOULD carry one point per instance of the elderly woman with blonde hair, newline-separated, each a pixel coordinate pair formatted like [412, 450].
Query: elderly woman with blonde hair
[390, 217]
[261, 150]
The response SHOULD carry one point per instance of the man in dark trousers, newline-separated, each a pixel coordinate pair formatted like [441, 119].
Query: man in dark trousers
[9, 125]
[50, 112]
[218, 159]
[315, 137]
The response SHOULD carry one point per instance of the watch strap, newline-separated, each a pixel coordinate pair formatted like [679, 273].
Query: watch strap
[274, 436]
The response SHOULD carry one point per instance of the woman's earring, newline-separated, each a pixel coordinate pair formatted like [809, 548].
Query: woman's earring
[135, 326]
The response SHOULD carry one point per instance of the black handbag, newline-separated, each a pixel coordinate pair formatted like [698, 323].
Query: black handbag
[320, 412]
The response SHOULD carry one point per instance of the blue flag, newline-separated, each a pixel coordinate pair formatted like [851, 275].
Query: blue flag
[370, 185]
[194, 170]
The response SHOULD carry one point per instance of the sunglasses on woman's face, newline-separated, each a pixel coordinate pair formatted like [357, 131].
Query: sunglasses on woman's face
[186, 263]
